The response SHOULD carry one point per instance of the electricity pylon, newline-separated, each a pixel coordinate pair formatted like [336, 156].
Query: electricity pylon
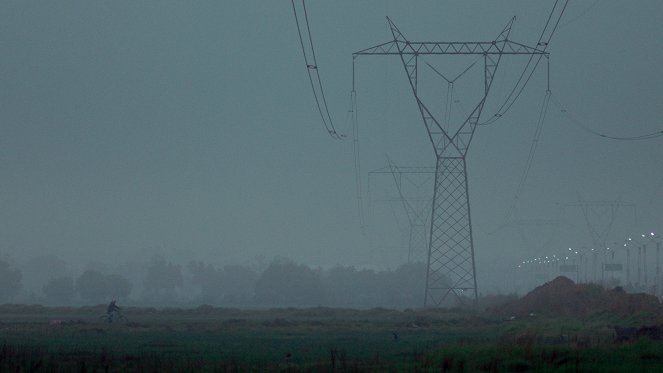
[600, 217]
[600, 210]
[418, 242]
[409, 182]
[451, 267]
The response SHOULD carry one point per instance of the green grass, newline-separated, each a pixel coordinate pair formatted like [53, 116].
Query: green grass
[318, 339]
[643, 356]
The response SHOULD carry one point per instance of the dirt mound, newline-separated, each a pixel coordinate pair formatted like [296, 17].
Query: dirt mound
[562, 296]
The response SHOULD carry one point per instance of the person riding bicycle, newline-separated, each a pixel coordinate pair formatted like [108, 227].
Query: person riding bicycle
[113, 311]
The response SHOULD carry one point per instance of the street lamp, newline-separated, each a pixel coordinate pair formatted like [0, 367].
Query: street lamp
[595, 253]
[628, 263]
[609, 265]
[642, 260]
[653, 237]
[580, 255]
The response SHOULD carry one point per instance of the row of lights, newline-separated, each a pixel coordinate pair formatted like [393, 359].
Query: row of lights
[554, 258]
[541, 260]
[651, 236]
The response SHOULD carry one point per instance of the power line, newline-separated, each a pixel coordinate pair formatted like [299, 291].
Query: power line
[352, 126]
[572, 119]
[354, 115]
[543, 45]
[312, 69]
[530, 156]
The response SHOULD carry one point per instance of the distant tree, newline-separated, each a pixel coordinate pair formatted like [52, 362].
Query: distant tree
[38, 270]
[232, 284]
[10, 281]
[59, 290]
[161, 279]
[407, 285]
[286, 283]
[237, 284]
[348, 286]
[402, 287]
[342, 287]
[94, 286]
[208, 279]
[119, 286]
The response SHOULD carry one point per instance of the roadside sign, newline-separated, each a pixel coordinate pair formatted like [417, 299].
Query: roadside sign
[612, 267]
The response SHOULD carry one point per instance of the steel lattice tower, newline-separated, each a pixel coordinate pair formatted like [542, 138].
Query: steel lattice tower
[418, 239]
[451, 267]
[416, 207]
[601, 209]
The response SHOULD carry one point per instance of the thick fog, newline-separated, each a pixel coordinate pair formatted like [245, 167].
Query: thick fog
[171, 152]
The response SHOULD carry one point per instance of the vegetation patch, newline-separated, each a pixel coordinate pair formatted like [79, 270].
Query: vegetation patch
[322, 339]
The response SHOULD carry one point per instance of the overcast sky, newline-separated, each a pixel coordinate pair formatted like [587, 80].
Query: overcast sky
[189, 128]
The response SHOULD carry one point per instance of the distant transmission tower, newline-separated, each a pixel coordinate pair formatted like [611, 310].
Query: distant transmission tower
[409, 182]
[597, 213]
[451, 267]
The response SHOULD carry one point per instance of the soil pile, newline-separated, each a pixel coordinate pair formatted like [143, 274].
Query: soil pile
[562, 296]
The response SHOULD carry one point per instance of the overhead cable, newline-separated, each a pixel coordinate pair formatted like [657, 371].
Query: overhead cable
[572, 119]
[313, 72]
[542, 44]
[530, 157]
[355, 147]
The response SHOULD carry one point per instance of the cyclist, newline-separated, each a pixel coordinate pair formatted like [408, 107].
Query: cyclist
[113, 311]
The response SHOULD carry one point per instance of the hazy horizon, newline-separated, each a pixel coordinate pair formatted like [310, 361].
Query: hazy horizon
[188, 130]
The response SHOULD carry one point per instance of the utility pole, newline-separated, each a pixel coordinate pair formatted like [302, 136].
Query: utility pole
[644, 264]
[651, 237]
[628, 265]
[451, 267]
[642, 261]
[658, 272]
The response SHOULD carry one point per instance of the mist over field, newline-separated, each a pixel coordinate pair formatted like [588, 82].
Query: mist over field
[171, 153]
[331, 186]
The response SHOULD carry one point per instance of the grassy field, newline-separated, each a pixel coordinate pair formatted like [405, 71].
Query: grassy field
[316, 339]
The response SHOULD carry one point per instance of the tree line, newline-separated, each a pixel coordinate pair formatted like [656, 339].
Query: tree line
[281, 283]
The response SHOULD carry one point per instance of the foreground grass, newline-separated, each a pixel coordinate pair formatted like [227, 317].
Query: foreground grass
[641, 356]
[319, 339]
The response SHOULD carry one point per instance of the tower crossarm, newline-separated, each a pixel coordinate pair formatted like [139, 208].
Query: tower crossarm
[497, 47]
[454, 144]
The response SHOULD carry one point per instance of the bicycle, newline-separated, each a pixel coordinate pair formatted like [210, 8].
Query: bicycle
[115, 316]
